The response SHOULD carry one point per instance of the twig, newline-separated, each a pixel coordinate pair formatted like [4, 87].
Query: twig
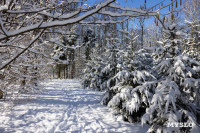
[16, 56]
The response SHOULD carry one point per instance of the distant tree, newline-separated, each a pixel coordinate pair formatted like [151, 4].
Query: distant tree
[64, 54]
[191, 11]
[89, 42]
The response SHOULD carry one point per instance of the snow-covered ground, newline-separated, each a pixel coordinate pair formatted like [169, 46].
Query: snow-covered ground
[62, 107]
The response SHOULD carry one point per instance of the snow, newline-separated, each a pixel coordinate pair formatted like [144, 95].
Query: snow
[56, 22]
[4, 7]
[135, 10]
[62, 106]
[58, 16]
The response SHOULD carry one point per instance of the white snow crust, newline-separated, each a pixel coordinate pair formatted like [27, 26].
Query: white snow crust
[62, 107]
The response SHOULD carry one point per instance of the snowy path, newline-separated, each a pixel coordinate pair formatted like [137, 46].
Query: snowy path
[63, 107]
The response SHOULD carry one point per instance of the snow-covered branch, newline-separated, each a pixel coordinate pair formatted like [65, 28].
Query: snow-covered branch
[21, 52]
[128, 14]
[53, 21]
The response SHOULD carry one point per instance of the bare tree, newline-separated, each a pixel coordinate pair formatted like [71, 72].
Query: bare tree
[192, 16]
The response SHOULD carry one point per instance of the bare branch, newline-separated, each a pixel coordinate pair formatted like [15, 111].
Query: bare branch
[24, 50]
[2, 27]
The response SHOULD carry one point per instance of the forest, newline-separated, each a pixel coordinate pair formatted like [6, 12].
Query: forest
[142, 56]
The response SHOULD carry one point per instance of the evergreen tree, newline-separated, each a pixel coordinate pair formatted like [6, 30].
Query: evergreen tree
[93, 77]
[100, 68]
[64, 54]
[89, 42]
[176, 96]
[130, 95]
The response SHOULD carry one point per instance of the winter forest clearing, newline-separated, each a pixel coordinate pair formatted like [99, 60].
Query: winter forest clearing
[105, 66]
[62, 106]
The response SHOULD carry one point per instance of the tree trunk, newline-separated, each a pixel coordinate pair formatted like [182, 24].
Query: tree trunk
[59, 70]
[64, 73]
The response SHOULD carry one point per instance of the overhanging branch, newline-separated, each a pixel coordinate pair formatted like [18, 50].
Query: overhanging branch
[54, 23]
[24, 50]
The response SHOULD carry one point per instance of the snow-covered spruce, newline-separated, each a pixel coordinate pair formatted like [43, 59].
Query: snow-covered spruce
[133, 89]
[177, 93]
[93, 77]
[63, 48]
[101, 67]
[97, 71]
[64, 54]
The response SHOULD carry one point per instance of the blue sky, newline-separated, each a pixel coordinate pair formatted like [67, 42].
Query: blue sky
[150, 3]
[138, 3]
